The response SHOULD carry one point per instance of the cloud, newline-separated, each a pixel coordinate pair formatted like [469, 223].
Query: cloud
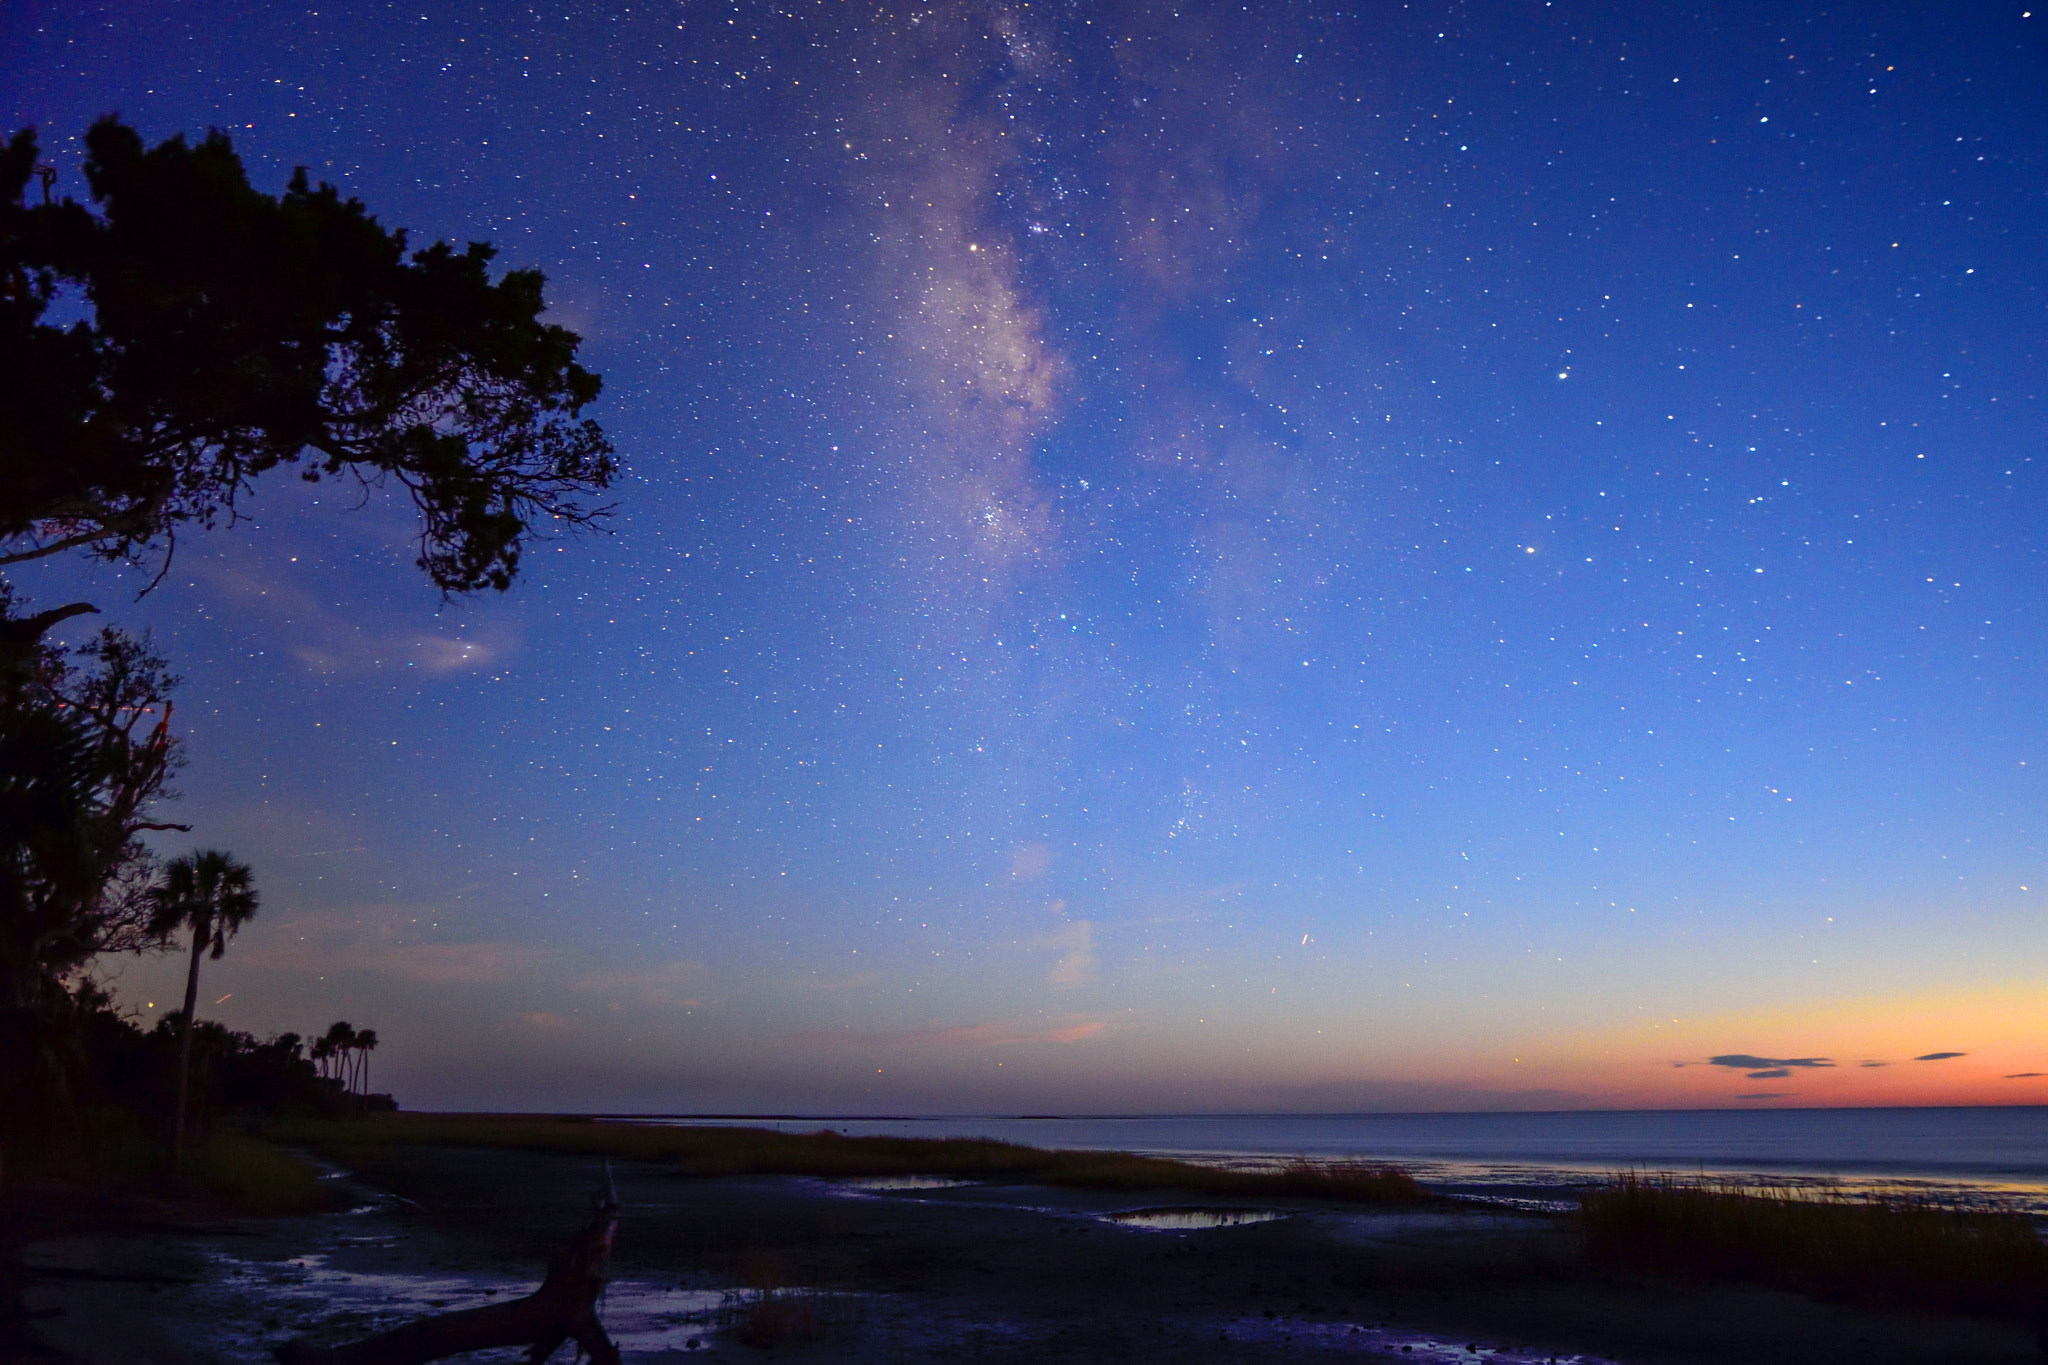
[1939, 1056]
[1028, 862]
[443, 963]
[430, 964]
[1742, 1061]
[997, 1034]
[327, 641]
[2025, 1075]
[1075, 941]
[1194, 178]
[1873, 1063]
[435, 654]
[1777, 1073]
[1768, 1095]
[665, 984]
[1072, 1033]
[855, 981]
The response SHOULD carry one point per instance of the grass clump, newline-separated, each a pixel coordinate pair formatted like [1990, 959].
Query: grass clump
[769, 1317]
[768, 1312]
[1911, 1250]
[727, 1151]
[1357, 1182]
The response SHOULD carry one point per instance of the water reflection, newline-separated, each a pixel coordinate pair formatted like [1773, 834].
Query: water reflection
[1183, 1219]
[905, 1182]
[1378, 1339]
[308, 1294]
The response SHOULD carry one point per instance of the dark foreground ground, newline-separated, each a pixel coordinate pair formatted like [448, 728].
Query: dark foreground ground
[978, 1273]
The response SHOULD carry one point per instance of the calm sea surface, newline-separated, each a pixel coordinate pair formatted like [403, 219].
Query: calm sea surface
[1995, 1152]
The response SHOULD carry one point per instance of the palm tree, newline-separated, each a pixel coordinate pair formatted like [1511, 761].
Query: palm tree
[331, 1051]
[366, 1043]
[211, 896]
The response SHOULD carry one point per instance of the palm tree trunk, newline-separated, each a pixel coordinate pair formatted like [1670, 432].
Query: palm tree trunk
[185, 1052]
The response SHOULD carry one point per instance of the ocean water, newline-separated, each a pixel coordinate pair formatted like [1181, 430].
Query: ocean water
[1975, 1153]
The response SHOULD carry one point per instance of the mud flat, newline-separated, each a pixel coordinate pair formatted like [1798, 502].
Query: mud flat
[741, 1268]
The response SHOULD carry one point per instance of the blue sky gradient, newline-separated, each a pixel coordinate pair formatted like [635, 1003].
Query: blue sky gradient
[1174, 558]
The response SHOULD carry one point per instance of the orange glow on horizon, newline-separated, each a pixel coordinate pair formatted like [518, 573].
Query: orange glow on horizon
[1861, 1052]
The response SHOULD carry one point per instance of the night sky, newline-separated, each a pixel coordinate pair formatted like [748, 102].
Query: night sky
[1286, 557]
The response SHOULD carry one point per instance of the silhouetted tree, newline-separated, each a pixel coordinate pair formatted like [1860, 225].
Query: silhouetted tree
[205, 334]
[210, 896]
[366, 1043]
[330, 1050]
[228, 332]
[85, 748]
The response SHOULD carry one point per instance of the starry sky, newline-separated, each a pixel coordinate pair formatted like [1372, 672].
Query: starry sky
[1174, 557]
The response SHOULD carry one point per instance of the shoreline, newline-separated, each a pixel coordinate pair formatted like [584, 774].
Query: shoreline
[1525, 1178]
[990, 1270]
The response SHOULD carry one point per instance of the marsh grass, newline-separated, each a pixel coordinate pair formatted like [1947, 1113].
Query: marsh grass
[767, 1312]
[722, 1151]
[1357, 1182]
[1912, 1250]
[769, 1317]
[255, 1177]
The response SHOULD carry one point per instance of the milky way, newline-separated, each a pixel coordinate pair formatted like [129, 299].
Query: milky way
[1176, 557]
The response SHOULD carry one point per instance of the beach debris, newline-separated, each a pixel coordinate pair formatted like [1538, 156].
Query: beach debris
[563, 1309]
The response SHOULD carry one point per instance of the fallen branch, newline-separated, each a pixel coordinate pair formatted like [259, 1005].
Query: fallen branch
[564, 1308]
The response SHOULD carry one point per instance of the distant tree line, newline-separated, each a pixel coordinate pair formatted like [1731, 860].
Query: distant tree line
[343, 1054]
[129, 1077]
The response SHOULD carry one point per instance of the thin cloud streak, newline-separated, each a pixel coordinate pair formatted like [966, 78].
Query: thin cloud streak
[1001, 1034]
[326, 641]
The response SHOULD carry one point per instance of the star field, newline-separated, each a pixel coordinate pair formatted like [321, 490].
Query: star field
[1219, 557]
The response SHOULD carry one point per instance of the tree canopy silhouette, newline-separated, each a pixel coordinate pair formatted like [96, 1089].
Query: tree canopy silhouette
[85, 749]
[218, 332]
[161, 348]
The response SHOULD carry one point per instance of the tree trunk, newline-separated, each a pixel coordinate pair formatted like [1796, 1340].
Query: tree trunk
[185, 1051]
[564, 1308]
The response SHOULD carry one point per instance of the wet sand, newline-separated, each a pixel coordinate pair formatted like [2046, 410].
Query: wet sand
[977, 1272]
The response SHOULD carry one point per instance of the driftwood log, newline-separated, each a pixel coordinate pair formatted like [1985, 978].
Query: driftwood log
[563, 1309]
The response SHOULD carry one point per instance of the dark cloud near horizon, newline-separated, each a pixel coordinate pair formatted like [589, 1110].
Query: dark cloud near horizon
[2025, 1075]
[1776, 1073]
[1873, 1063]
[1768, 1095]
[1939, 1056]
[1742, 1061]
